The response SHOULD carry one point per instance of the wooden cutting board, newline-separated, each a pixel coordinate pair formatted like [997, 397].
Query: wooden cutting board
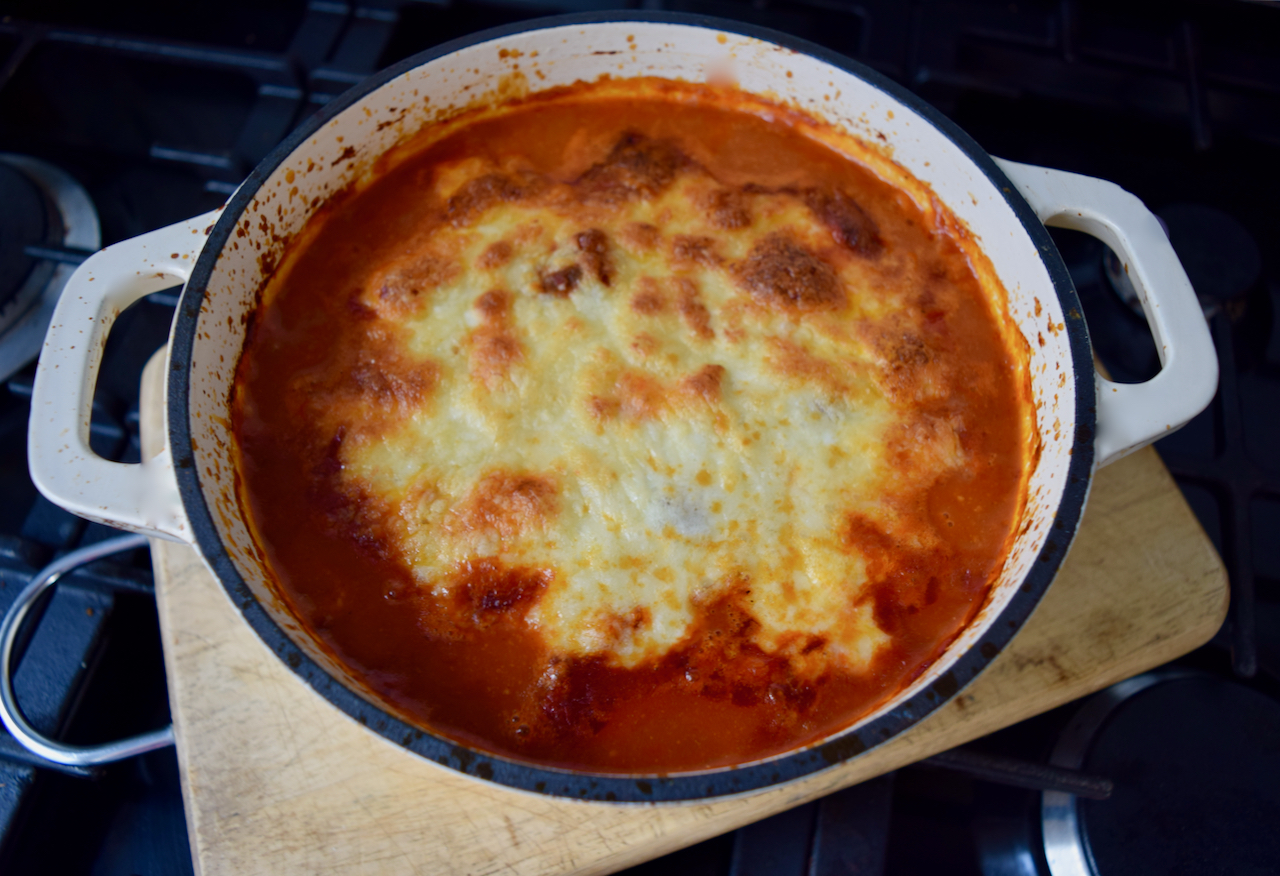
[277, 781]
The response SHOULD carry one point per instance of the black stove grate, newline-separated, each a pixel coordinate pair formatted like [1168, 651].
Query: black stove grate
[160, 110]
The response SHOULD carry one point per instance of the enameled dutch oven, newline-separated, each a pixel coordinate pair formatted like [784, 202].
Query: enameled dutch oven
[187, 492]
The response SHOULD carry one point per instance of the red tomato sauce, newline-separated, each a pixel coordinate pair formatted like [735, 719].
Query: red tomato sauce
[470, 668]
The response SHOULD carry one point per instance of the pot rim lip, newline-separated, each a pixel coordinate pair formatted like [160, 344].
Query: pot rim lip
[636, 788]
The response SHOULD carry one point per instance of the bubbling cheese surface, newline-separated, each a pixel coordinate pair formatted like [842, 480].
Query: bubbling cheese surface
[598, 433]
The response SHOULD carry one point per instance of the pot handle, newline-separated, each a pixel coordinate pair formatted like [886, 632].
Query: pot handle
[141, 497]
[1131, 416]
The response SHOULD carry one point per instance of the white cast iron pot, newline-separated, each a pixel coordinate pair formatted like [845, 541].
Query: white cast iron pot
[187, 492]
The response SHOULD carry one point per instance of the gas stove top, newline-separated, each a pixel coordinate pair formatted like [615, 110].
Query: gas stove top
[117, 119]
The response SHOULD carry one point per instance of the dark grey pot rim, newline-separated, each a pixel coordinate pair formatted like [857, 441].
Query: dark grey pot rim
[631, 788]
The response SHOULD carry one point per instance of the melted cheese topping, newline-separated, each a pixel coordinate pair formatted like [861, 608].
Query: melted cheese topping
[600, 407]
[649, 452]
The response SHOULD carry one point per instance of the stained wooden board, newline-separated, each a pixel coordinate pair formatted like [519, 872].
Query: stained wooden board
[278, 781]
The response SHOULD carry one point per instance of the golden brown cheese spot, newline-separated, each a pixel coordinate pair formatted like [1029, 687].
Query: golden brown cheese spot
[493, 305]
[560, 283]
[687, 249]
[908, 367]
[648, 299]
[727, 209]
[594, 245]
[484, 192]
[392, 383]
[641, 396]
[603, 407]
[633, 395]
[779, 272]
[371, 387]
[644, 345]
[792, 360]
[495, 255]
[692, 310]
[851, 227]
[403, 287]
[641, 236]
[493, 352]
[506, 504]
[638, 167]
[494, 347]
[908, 351]
[705, 384]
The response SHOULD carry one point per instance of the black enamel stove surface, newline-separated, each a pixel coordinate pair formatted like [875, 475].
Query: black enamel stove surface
[159, 111]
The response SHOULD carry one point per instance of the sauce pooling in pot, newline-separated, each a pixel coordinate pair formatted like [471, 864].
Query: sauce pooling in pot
[632, 432]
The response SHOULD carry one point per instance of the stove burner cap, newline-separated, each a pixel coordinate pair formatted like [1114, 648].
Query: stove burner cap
[23, 222]
[1196, 766]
